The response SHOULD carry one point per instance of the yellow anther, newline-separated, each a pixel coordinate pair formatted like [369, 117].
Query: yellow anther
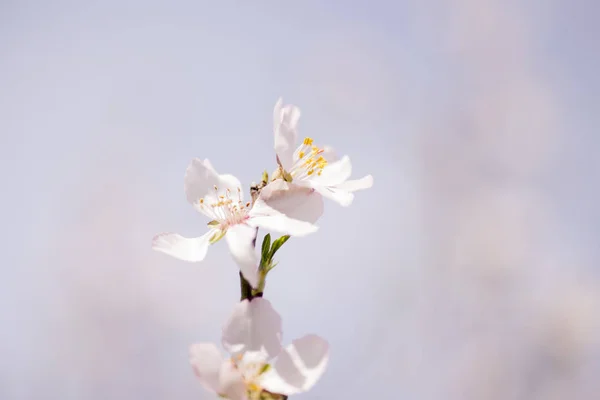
[310, 171]
[201, 201]
[320, 172]
[301, 154]
[308, 141]
[221, 197]
[253, 387]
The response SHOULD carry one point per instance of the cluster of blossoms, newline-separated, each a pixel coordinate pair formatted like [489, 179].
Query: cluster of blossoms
[289, 203]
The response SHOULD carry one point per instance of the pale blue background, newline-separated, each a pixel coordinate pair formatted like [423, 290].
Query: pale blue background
[469, 270]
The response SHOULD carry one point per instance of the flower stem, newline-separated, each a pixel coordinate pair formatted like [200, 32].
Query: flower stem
[245, 287]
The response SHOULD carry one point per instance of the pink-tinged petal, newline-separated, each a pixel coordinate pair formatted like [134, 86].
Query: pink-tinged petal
[334, 173]
[201, 179]
[285, 121]
[298, 367]
[231, 382]
[356, 184]
[254, 329]
[206, 360]
[186, 249]
[287, 208]
[240, 239]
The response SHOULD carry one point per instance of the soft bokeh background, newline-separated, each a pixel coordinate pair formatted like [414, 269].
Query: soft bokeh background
[469, 271]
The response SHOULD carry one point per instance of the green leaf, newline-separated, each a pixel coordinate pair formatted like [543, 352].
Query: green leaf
[271, 266]
[277, 245]
[266, 244]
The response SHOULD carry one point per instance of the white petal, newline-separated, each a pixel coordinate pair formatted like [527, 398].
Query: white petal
[329, 154]
[285, 120]
[186, 249]
[231, 382]
[342, 193]
[201, 179]
[254, 329]
[334, 173]
[342, 197]
[287, 208]
[356, 184]
[206, 359]
[240, 239]
[298, 367]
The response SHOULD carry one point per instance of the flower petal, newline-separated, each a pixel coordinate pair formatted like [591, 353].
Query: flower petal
[231, 382]
[206, 359]
[186, 249]
[285, 120]
[240, 239]
[298, 367]
[200, 181]
[356, 184]
[334, 173]
[329, 154]
[342, 197]
[254, 329]
[287, 208]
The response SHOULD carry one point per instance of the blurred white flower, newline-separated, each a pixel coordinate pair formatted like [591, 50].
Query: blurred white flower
[253, 338]
[310, 166]
[280, 207]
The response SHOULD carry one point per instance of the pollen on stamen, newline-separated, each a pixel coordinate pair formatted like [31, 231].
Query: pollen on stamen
[308, 141]
[201, 201]
[301, 154]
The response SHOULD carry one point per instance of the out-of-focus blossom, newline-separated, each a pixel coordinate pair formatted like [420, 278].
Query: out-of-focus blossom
[259, 363]
[280, 207]
[310, 166]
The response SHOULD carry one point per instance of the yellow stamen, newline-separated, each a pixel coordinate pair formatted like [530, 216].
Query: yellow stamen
[301, 154]
[308, 141]
[253, 387]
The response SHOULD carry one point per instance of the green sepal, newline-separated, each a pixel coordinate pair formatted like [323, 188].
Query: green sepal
[217, 236]
[264, 369]
[287, 176]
